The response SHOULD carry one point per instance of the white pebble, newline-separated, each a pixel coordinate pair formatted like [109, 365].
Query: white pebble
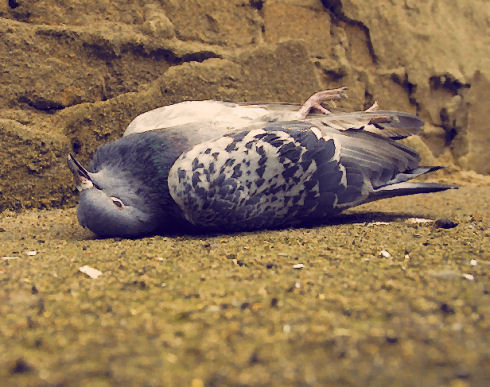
[385, 254]
[473, 262]
[214, 308]
[90, 271]
[298, 266]
[286, 328]
[457, 326]
[31, 253]
[469, 277]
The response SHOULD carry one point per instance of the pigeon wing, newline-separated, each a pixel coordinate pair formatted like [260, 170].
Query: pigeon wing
[390, 124]
[218, 116]
[273, 176]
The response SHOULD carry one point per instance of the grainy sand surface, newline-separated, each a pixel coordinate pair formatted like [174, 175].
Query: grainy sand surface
[288, 307]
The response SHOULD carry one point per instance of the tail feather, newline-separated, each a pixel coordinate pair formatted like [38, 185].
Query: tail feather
[404, 188]
[411, 174]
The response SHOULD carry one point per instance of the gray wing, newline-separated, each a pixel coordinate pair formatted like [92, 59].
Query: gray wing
[386, 123]
[278, 175]
[390, 124]
[289, 172]
[221, 117]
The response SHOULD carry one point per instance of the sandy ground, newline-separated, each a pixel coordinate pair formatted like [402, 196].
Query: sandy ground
[289, 307]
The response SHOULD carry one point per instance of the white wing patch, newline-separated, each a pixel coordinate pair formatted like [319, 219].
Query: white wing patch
[218, 114]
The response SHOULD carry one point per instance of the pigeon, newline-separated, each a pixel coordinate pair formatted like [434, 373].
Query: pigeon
[212, 166]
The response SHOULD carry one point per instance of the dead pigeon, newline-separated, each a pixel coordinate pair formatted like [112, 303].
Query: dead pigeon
[220, 166]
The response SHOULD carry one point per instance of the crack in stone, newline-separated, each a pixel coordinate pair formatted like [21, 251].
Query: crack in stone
[447, 82]
[334, 7]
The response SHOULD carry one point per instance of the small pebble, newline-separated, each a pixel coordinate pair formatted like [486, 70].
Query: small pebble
[20, 366]
[298, 266]
[473, 262]
[469, 277]
[31, 253]
[445, 223]
[90, 271]
[457, 326]
[385, 254]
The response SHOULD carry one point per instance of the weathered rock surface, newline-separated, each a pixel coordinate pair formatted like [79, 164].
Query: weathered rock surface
[73, 75]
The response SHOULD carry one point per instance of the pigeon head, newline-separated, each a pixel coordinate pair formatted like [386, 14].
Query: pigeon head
[124, 192]
[110, 204]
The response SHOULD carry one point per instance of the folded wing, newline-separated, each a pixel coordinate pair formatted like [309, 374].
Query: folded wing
[287, 172]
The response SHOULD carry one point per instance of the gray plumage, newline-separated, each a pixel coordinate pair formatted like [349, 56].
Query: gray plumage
[208, 165]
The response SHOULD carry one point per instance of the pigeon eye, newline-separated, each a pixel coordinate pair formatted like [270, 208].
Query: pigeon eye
[117, 202]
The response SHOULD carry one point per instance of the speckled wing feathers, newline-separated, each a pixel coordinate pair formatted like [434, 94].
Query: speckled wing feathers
[278, 175]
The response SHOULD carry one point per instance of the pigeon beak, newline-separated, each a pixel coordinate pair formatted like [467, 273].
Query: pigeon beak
[82, 178]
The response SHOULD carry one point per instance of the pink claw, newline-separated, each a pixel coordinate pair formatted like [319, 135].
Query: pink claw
[315, 101]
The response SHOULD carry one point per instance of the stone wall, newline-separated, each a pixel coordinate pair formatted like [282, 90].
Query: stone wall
[74, 74]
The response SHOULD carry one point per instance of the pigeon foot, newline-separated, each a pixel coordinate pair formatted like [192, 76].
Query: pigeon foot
[315, 101]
